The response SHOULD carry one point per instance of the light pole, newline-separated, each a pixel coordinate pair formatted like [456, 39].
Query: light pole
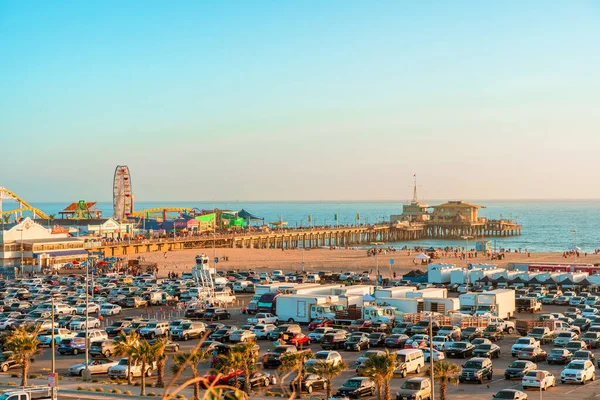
[574, 244]
[302, 264]
[377, 257]
[87, 375]
[431, 356]
[52, 349]
[466, 258]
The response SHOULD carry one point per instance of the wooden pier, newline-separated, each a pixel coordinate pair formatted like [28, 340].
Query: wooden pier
[343, 236]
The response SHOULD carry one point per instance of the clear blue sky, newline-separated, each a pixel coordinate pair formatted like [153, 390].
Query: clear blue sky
[306, 100]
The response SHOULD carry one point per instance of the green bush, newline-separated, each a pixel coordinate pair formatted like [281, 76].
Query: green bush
[127, 392]
[137, 384]
[80, 388]
[11, 383]
[151, 394]
[14, 375]
[91, 389]
[35, 376]
[181, 396]
[100, 390]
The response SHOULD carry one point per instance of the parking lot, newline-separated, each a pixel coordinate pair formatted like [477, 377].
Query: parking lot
[464, 390]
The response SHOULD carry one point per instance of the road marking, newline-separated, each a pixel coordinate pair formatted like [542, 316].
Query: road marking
[498, 380]
[582, 387]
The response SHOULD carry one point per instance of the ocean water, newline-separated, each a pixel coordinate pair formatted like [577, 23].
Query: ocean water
[547, 225]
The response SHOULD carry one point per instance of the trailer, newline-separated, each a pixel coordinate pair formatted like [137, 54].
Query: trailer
[441, 275]
[458, 276]
[428, 292]
[296, 308]
[556, 326]
[402, 305]
[441, 305]
[396, 292]
[353, 290]
[478, 274]
[352, 300]
[499, 302]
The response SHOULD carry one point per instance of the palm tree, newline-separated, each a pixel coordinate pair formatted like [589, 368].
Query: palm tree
[327, 371]
[24, 344]
[295, 362]
[144, 354]
[248, 357]
[445, 374]
[191, 359]
[381, 369]
[161, 360]
[125, 347]
[232, 362]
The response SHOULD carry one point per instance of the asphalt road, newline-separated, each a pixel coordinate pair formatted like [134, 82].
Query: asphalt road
[467, 390]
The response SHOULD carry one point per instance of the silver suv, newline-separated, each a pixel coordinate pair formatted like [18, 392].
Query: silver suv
[155, 329]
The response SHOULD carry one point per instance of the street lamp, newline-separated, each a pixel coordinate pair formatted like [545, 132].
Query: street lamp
[466, 258]
[52, 349]
[376, 244]
[574, 244]
[87, 375]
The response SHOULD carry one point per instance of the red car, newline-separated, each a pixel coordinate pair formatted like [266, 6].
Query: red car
[319, 323]
[223, 379]
[359, 325]
[300, 340]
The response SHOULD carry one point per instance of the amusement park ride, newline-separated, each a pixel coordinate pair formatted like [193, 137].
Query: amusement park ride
[6, 194]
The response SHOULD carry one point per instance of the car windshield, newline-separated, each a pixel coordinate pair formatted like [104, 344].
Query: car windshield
[581, 354]
[321, 356]
[280, 350]
[473, 365]
[537, 330]
[470, 329]
[523, 341]
[185, 326]
[411, 385]
[557, 351]
[352, 383]
[484, 347]
[518, 364]
[123, 361]
[459, 345]
[576, 365]
[565, 334]
[320, 330]
[221, 331]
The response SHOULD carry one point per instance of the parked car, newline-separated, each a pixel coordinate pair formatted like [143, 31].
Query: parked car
[539, 379]
[357, 387]
[460, 349]
[95, 366]
[510, 394]
[309, 383]
[155, 329]
[263, 318]
[73, 346]
[518, 369]
[45, 337]
[522, 343]
[189, 330]
[103, 348]
[376, 339]
[262, 330]
[532, 353]
[115, 328]
[559, 356]
[415, 388]
[8, 361]
[470, 333]
[476, 370]
[575, 345]
[357, 342]
[328, 357]
[242, 336]
[257, 379]
[396, 340]
[273, 358]
[121, 370]
[578, 372]
[491, 350]
[565, 337]
[223, 334]
[216, 314]
[110, 309]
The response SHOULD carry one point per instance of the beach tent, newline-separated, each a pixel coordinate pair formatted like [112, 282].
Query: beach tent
[249, 217]
[485, 279]
[368, 298]
[422, 256]
[431, 250]
[501, 279]
[518, 279]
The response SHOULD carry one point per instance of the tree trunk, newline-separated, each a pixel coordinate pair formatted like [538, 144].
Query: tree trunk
[160, 372]
[143, 389]
[387, 390]
[443, 387]
[299, 378]
[24, 372]
[129, 378]
[328, 389]
[196, 390]
[247, 380]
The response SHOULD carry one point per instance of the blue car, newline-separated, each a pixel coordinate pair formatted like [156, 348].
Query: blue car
[60, 334]
[72, 346]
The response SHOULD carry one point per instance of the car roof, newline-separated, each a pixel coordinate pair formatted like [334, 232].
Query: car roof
[418, 379]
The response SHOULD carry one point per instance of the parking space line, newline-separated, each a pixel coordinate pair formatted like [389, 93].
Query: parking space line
[498, 380]
[582, 387]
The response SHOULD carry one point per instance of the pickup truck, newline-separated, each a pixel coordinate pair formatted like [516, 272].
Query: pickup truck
[263, 318]
[493, 332]
[528, 304]
[30, 393]
[507, 326]
[555, 326]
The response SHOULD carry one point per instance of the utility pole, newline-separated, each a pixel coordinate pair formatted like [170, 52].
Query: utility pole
[52, 345]
[467, 258]
[431, 356]
[86, 372]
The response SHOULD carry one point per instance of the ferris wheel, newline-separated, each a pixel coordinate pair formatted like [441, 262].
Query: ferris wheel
[122, 198]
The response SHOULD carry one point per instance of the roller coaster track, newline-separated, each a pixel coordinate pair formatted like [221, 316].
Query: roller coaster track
[6, 194]
[158, 210]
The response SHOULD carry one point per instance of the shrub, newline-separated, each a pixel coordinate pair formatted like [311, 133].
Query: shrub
[91, 389]
[35, 376]
[151, 394]
[14, 375]
[100, 390]
[94, 380]
[137, 384]
[127, 392]
[117, 391]
[181, 396]
[80, 388]
[11, 383]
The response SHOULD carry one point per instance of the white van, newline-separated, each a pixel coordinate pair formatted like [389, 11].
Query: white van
[312, 278]
[410, 360]
[277, 273]
[241, 286]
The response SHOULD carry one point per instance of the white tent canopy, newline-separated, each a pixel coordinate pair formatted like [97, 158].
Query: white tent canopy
[422, 256]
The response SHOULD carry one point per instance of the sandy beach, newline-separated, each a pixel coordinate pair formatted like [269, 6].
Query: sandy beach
[333, 260]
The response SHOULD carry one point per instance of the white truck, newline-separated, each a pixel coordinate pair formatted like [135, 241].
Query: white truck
[296, 308]
[394, 292]
[499, 303]
[30, 393]
[385, 314]
[468, 303]
[429, 292]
